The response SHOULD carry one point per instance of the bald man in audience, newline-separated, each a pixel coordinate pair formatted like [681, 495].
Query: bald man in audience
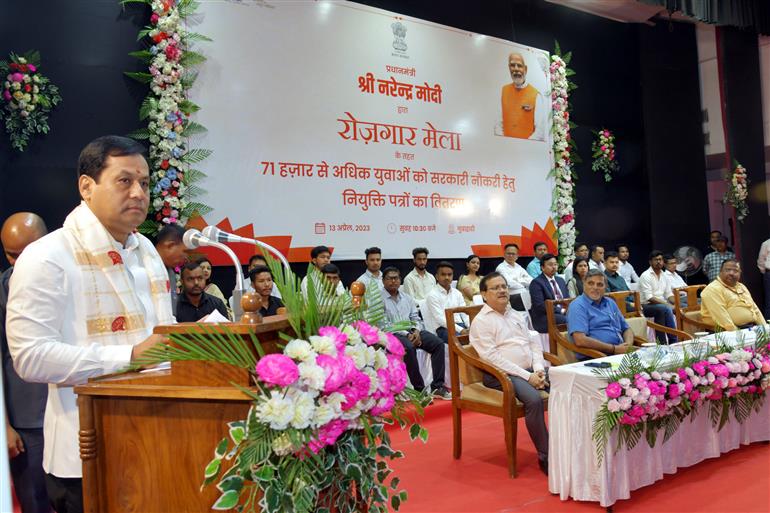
[24, 402]
[727, 302]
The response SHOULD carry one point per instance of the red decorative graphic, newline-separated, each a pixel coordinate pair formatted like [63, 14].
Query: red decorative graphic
[525, 241]
[115, 257]
[119, 324]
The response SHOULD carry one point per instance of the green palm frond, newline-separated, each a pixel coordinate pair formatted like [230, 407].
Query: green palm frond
[211, 344]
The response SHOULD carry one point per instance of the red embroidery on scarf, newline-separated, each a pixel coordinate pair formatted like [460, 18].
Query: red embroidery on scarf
[115, 257]
[119, 324]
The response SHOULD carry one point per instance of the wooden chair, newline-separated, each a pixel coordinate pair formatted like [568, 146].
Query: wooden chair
[561, 344]
[688, 318]
[466, 371]
[636, 320]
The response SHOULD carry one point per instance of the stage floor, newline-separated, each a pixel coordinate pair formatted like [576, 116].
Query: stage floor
[739, 481]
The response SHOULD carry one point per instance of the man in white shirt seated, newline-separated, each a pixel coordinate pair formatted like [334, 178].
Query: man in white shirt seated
[501, 337]
[656, 296]
[419, 282]
[85, 298]
[597, 258]
[673, 277]
[441, 297]
[319, 257]
[626, 270]
[373, 263]
[515, 275]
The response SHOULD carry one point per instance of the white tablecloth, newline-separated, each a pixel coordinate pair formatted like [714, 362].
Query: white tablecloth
[576, 395]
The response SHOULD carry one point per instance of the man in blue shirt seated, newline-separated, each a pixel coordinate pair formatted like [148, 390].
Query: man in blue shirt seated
[595, 322]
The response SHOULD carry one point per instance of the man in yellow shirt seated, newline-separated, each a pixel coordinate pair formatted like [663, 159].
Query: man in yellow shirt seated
[727, 302]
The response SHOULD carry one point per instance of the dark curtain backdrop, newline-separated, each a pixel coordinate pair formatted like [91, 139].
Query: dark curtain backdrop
[676, 168]
[739, 57]
[84, 45]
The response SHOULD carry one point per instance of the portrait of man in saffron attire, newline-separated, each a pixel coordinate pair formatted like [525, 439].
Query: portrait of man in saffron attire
[523, 108]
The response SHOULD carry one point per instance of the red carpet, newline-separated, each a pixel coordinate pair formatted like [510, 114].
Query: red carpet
[739, 481]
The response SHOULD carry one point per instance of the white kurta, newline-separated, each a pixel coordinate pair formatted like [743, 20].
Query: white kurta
[47, 337]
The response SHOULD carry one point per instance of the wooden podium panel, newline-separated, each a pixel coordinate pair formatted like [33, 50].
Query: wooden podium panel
[146, 437]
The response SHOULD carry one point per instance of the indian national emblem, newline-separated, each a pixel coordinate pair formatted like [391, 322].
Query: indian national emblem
[399, 34]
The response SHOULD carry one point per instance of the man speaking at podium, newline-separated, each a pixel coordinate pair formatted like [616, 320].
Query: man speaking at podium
[84, 300]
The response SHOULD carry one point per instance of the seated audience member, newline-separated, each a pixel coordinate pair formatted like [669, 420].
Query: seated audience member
[419, 282]
[626, 270]
[712, 262]
[581, 251]
[547, 286]
[673, 277]
[254, 261]
[468, 284]
[517, 278]
[656, 296]
[400, 307]
[332, 274]
[194, 303]
[24, 402]
[727, 302]
[714, 237]
[262, 280]
[173, 252]
[579, 269]
[373, 263]
[441, 297]
[211, 287]
[534, 268]
[615, 282]
[597, 258]
[594, 321]
[501, 337]
[763, 263]
[319, 257]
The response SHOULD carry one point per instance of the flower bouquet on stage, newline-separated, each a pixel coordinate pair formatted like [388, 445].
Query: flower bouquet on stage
[314, 438]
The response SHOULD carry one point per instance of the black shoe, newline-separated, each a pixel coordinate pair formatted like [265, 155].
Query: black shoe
[543, 464]
[442, 393]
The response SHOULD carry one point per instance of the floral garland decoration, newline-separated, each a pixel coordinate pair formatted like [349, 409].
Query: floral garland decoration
[28, 97]
[564, 155]
[168, 110]
[642, 399]
[737, 192]
[603, 149]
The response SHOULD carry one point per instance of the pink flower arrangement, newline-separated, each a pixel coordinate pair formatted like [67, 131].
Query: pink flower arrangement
[277, 369]
[657, 394]
[737, 191]
[26, 98]
[604, 154]
[333, 390]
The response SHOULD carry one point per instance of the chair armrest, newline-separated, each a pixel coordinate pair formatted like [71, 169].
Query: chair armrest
[480, 364]
[671, 331]
[555, 360]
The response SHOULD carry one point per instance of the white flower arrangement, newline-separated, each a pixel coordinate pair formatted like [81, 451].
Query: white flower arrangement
[168, 112]
[563, 195]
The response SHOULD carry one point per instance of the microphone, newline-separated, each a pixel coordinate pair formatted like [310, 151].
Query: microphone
[214, 233]
[193, 239]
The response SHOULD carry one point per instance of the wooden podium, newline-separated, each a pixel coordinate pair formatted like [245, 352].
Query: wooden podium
[146, 437]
